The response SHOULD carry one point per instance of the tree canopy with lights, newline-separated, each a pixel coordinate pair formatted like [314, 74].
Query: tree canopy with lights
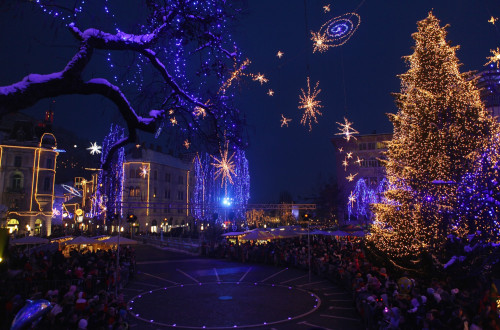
[164, 69]
[439, 130]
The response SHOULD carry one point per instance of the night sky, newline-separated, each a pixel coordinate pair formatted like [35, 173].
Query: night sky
[356, 79]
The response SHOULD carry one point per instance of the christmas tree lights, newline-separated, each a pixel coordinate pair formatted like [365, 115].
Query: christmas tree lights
[439, 128]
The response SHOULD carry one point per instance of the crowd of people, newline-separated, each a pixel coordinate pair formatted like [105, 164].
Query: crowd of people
[84, 289]
[383, 300]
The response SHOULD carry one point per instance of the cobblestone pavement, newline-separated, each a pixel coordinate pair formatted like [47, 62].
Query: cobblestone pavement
[172, 289]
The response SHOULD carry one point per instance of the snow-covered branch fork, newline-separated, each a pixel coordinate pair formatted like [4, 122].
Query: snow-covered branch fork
[35, 87]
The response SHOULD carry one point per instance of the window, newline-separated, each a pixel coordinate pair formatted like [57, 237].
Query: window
[46, 184]
[18, 161]
[370, 145]
[134, 192]
[179, 211]
[49, 163]
[167, 177]
[132, 173]
[166, 210]
[181, 179]
[180, 195]
[155, 175]
[362, 146]
[17, 181]
[167, 194]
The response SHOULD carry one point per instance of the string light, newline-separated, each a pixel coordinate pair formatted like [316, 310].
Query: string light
[284, 121]
[358, 160]
[495, 58]
[94, 148]
[310, 104]
[173, 121]
[199, 111]
[341, 149]
[347, 130]
[352, 198]
[349, 155]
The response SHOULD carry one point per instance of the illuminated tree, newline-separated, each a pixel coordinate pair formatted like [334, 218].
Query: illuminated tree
[438, 131]
[479, 195]
[161, 69]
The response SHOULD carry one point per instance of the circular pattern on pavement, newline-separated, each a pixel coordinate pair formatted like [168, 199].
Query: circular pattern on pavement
[199, 305]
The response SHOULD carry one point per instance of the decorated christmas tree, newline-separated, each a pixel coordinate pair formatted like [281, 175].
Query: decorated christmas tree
[440, 129]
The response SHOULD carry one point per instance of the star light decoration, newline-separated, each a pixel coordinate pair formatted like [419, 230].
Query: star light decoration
[310, 104]
[94, 148]
[341, 149]
[144, 170]
[493, 20]
[225, 166]
[199, 111]
[270, 92]
[345, 163]
[347, 130]
[349, 155]
[352, 198]
[260, 78]
[173, 121]
[284, 121]
[280, 54]
[187, 144]
[326, 8]
[358, 160]
[495, 58]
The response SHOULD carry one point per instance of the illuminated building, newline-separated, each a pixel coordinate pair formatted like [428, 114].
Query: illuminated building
[488, 82]
[157, 188]
[364, 163]
[27, 174]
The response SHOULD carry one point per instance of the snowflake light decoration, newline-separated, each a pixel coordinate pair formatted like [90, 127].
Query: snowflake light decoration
[326, 8]
[280, 54]
[270, 92]
[349, 155]
[187, 144]
[347, 130]
[143, 171]
[341, 149]
[320, 42]
[495, 58]
[260, 78]
[94, 148]
[284, 121]
[225, 166]
[493, 20]
[310, 104]
[358, 160]
[351, 177]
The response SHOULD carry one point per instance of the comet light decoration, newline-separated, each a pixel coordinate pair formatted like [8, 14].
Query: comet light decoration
[285, 121]
[335, 32]
[347, 130]
[208, 193]
[365, 196]
[493, 20]
[280, 54]
[94, 148]
[270, 92]
[310, 104]
[351, 177]
[225, 166]
[108, 196]
[326, 8]
[187, 144]
[495, 58]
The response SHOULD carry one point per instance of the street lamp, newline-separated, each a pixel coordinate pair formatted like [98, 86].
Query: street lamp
[226, 202]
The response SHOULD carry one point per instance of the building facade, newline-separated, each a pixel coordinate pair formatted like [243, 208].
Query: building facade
[359, 158]
[27, 175]
[157, 189]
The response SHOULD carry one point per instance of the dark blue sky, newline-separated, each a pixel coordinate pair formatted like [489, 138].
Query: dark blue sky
[356, 79]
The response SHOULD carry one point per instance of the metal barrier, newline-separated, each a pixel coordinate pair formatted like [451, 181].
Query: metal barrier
[187, 244]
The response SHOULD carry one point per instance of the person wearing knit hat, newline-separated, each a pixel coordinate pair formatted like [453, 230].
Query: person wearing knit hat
[82, 325]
